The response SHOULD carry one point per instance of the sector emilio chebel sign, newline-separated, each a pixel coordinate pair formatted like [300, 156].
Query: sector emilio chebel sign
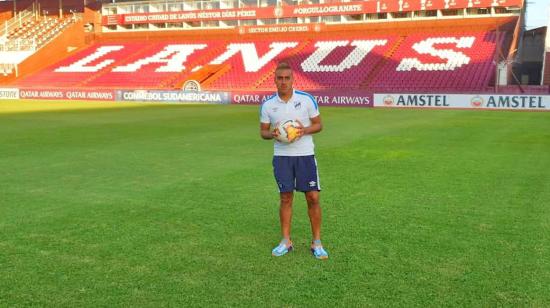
[469, 101]
[174, 97]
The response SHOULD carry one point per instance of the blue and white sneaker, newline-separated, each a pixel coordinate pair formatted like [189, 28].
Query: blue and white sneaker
[284, 247]
[318, 251]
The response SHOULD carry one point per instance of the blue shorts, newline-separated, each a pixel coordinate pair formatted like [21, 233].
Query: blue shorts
[296, 173]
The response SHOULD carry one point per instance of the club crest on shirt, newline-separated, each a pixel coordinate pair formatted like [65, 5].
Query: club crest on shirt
[297, 105]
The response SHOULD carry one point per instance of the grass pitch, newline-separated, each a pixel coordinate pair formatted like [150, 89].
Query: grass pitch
[127, 205]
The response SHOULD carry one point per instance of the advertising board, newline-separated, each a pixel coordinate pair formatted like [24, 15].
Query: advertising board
[469, 101]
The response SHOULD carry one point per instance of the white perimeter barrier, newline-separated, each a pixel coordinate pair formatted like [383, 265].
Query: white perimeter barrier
[469, 101]
[9, 93]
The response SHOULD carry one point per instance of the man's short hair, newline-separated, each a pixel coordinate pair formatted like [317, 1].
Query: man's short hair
[283, 66]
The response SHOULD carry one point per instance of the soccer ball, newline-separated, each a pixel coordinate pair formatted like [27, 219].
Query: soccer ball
[288, 130]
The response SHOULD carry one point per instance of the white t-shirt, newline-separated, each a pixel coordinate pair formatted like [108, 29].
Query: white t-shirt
[301, 106]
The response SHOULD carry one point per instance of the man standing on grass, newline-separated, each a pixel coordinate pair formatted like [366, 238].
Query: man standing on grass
[294, 164]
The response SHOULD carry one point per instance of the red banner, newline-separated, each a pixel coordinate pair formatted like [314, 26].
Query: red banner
[456, 4]
[433, 5]
[482, 3]
[386, 6]
[340, 8]
[508, 3]
[410, 5]
[228, 14]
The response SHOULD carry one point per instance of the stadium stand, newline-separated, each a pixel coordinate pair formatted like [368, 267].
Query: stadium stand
[24, 35]
[459, 61]
[451, 59]
[409, 55]
[35, 32]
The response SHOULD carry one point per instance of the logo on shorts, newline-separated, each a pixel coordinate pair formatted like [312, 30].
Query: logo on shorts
[312, 184]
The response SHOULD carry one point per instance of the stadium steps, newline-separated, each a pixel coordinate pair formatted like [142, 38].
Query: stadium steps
[206, 75]
[269, 75]
[33, 34]
[178, 80]
[238, 77]
[220, 72]
[387, 56]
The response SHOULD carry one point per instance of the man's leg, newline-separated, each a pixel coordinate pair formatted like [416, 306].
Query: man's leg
[285, 213]
[284, 175]
[314, 212]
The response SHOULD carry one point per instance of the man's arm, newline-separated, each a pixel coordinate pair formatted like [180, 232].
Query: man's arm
[266, 132]
[315, 127]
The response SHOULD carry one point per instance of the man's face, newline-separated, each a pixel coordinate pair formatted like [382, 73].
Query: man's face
[283, 81]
